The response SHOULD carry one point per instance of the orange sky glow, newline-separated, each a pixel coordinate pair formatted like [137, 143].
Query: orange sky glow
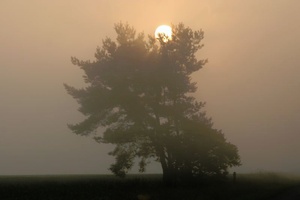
[251, 82]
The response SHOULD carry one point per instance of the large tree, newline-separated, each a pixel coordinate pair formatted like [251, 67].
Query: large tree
[139, 92]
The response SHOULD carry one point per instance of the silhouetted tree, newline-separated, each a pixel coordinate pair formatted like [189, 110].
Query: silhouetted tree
[140, 92]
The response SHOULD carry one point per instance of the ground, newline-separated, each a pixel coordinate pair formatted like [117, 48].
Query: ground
[148, 187]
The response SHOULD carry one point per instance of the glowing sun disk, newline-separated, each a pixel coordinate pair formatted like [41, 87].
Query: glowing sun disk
[164, 32]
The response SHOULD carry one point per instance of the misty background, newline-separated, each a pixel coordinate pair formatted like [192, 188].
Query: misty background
[251, 83]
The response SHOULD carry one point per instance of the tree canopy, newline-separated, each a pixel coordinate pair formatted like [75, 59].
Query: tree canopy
[139, 91]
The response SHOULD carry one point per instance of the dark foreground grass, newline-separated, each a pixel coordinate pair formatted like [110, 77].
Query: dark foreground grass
[107, 187]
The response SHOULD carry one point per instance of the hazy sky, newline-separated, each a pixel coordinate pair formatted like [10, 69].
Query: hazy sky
[251, 83]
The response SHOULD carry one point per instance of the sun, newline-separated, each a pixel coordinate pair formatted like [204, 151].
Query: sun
[165, 32]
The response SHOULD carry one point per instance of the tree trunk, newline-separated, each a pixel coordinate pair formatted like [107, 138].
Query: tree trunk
[169, 177]
[169, 174]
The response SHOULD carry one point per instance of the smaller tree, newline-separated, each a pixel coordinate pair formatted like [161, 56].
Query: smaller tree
[203, 151]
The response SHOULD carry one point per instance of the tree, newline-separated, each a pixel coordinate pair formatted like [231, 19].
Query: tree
[140, 92]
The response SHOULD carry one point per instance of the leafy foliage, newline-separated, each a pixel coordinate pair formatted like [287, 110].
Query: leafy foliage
[139, 92]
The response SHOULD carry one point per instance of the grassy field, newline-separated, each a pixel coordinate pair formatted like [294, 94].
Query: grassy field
[134, 187]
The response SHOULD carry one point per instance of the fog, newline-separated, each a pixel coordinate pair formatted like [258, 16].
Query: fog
[251, 82]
